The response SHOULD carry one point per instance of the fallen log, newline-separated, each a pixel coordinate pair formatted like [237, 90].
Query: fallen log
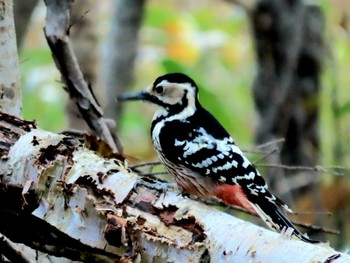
[59, 197]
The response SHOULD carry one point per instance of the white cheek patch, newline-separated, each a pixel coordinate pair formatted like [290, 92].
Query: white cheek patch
[174, 92]
[171, 95]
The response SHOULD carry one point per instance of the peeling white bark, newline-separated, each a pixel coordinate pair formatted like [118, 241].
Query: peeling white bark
[79, 195]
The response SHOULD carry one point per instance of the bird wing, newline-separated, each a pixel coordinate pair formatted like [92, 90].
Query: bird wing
[204, 146]
[201, 144]
[207, 149]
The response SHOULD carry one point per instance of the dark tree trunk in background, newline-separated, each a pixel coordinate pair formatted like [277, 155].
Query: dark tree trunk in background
[289, 46]
[121, 51]
[84, 39]
[22, 11]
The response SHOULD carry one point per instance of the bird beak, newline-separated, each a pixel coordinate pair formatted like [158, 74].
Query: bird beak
[142, 95]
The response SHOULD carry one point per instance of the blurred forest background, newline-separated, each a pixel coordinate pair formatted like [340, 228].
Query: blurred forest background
[214, 43]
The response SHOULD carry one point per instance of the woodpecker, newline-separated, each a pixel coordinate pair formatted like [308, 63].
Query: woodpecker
[202, 157]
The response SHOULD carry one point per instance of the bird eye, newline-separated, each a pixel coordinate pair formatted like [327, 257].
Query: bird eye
[159, 89]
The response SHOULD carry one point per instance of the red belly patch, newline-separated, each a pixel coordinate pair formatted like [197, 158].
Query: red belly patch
[233, 195]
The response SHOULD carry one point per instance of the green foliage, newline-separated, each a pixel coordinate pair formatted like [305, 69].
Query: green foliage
[343, 109]
[158, 16]
[42, 96]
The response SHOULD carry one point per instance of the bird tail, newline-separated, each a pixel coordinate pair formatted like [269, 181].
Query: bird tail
[276, 220]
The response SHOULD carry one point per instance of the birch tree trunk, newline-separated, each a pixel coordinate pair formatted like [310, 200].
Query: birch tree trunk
[10, 94]
[59, 197]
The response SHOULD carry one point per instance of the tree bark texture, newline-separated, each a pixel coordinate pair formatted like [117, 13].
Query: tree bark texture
[121, 51]
[59, 197]
[10, 92]
[289, 46]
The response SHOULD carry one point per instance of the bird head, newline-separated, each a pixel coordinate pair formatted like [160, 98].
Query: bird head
[172, 92]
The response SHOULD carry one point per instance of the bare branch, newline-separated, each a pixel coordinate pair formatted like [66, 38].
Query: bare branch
[56, 32]
[269, 143]
[335, 170]
[77, 20]
[272, 151]
[146, 164]
[324, 213]
[316, 168]
[154, 174]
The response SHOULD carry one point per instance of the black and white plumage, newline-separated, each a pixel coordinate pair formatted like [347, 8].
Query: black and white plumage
[200, 154]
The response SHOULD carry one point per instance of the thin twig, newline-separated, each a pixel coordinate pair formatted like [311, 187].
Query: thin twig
[146, 164]
[265, 155]
[23, 60]
[154, 174]
[77, 20]
[255, 151]
[269, 143]
[316, 168]
[153, 177]
[325, 213]
[259, 148]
